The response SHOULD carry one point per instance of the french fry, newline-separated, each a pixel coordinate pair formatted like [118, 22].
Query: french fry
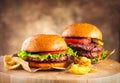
[77, 69]
[83, 61]
[9, 63]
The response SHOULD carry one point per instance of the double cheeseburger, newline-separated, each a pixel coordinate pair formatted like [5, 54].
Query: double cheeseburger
[86, 40]
[45, 51]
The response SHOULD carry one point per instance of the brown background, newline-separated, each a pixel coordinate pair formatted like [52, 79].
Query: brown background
[20, 19]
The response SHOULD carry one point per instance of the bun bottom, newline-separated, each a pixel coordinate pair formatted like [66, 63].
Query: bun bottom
[47, 65]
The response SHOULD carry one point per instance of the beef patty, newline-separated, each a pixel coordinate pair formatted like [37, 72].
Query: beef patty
[60, 59]
[90, 50]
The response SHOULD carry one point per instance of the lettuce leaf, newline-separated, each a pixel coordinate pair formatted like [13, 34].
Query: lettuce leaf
[70, 52]
[103, 56]
[95, 59]
[23, 54]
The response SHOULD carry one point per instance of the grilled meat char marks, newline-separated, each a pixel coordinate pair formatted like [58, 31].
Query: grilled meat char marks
[90, 50]
[60, 59]
[88, 54]
[87, 47]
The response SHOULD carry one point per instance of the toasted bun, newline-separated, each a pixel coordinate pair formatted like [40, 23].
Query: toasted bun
[82, 30]
[47, 65]
[44, 42]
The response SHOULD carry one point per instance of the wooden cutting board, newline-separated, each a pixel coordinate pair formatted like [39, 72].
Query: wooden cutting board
[108, 71]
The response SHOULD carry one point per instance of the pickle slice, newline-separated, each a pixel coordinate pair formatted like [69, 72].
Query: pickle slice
[98, 42]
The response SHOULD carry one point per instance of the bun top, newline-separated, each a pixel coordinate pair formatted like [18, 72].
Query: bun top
[82, 30]
[44, 42]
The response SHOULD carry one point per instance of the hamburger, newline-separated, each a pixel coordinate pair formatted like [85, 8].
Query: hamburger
[86, 40]
[45, 51]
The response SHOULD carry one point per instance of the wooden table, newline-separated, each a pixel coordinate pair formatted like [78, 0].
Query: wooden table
[108, 72]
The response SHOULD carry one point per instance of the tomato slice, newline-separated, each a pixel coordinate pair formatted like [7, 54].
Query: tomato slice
[80, 41]
[53, 52]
